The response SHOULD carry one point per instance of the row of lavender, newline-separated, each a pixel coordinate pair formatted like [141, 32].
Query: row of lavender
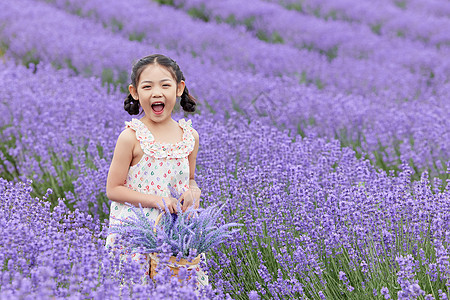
[336, 38]
[423, 21]
[354, 50]
[388, 235]
[386, 131]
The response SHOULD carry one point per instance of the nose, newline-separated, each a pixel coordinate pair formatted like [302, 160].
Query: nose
[157, 92]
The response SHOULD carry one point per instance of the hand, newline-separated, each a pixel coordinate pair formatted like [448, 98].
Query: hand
[171, 204]
[190, 197]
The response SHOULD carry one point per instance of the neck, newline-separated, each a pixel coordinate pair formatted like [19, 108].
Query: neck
[158, 124]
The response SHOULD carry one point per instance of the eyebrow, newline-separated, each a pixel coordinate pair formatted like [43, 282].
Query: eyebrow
[149, 81]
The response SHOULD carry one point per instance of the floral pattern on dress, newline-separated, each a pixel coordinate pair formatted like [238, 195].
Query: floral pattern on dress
[162, 165]
[164, 150]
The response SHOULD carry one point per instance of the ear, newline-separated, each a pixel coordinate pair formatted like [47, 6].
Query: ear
[180, 88]
[133, 92]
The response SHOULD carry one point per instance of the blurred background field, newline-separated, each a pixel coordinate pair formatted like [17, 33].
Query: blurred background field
[324, 124]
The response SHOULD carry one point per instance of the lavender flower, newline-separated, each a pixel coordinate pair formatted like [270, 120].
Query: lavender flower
[344, 279]
[355, 117]
[60, 254]
[253, 295]
[186, 233]
[302, 82]
[385, 292]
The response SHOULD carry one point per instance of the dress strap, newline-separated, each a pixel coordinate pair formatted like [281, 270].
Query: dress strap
[163, 150]
[186, 125]
[142, 132]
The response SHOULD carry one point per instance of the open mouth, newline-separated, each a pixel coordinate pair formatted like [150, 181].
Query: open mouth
[158, 107]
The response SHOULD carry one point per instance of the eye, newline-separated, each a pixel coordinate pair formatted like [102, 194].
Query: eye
[146, 87]
[166, 85]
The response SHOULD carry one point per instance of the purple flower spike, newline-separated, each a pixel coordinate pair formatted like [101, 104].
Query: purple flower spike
[192, 231]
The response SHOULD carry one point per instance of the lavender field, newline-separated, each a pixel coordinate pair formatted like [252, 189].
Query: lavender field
[324, 126]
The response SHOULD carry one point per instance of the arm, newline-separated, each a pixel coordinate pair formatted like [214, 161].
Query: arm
[118, 171]
[193, 194]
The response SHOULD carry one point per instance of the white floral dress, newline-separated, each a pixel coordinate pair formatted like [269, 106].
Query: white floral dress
[162, 165]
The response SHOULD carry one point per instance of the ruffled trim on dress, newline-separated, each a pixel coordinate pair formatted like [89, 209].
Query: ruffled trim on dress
[156, 149]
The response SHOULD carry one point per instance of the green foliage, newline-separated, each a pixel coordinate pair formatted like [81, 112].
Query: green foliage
[78, 12]
[248, 22]
[121, 79]
[275, 38]
[194, 54]
[319, 84]
[165, 2]
[107, 76]
[70, 65]
[317, 13]
[209, 107]
[303, 78]
[376, 28]
[298, 6]
[136, 36]
[379, 156]
[231, 19]
[262, 35]
[332, 15]
[3, 48]
[60, 183]
[8, 173]
[31, 58]
[300, 130]
[400, 3]
[102, 200]
[199, 13]
[237, 108]
[400, 33]
[330, 53]
[61, 176]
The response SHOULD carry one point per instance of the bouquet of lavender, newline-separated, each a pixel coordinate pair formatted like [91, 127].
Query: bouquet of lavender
[186, 233]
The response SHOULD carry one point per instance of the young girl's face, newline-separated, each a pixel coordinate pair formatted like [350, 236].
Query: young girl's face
[157, 91]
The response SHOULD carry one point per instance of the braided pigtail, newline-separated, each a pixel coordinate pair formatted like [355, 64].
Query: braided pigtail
[131, 105]
[188, 102]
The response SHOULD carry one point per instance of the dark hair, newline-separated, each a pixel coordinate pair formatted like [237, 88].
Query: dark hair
[187, 102]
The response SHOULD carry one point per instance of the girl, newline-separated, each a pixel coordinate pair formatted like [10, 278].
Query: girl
[154, 152]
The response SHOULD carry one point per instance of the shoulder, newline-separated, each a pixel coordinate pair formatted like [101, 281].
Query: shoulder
[195, 134]
[127, 137]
